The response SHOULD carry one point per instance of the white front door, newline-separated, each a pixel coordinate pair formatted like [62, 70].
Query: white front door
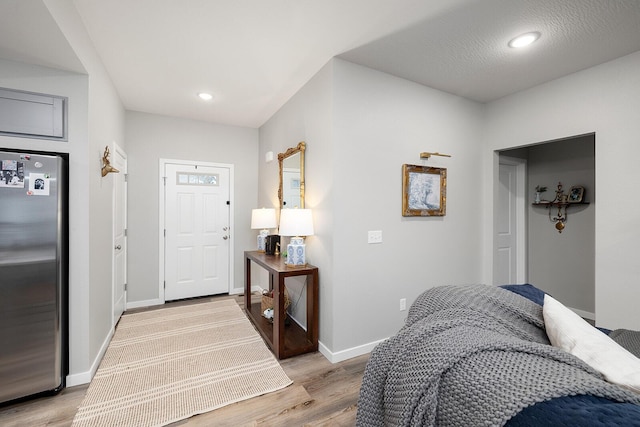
[197, 230]
[119, 161]
[509, 261]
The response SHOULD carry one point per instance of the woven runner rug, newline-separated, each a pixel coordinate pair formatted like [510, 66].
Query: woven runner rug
[169, 364]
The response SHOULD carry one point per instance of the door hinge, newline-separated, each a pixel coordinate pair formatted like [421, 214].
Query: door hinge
[164, 180]
[125, 232]
[126, 177]
[165, 232]
[125, 287]
[165, 284]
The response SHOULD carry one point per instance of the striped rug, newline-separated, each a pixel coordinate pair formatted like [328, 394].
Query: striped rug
[169, 364]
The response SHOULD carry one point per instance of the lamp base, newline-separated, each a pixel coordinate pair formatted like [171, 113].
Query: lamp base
[262, 240]
[294, 266]
[296, 253]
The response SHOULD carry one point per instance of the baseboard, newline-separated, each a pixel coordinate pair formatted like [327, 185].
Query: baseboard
[78, 379]
[236, 291]
[145, 303]
[86, 377]
[339, 356]
[584, 314]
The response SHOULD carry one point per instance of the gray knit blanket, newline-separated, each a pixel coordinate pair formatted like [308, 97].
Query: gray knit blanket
[471, 356]
[630, 340]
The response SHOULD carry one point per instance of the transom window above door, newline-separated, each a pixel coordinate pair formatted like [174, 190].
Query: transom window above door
[190, 178]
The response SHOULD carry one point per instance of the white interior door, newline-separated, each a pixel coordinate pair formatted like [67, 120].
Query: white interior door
[119, 161]
[509, 261]
[197, 230]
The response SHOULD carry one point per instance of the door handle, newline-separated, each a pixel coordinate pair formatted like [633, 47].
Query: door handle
[118, 247]
[225, 228]
[225, 237]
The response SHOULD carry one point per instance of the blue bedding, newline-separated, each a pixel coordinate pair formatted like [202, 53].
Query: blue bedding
[528, 291]
[571, 410]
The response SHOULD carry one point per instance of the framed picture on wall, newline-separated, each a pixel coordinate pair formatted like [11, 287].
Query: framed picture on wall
[576, 194]
[424, 191]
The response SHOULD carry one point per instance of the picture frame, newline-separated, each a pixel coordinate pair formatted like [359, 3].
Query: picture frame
[576, 194]
[424, 191]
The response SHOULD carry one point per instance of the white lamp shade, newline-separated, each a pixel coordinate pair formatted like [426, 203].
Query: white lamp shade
[263, 218]
[296, 222]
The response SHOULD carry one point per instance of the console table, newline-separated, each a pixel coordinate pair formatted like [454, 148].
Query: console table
[289, 340]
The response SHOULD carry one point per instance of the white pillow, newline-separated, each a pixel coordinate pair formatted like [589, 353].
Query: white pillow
[573, 334]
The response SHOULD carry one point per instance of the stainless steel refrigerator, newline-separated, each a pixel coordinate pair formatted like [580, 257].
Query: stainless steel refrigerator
[33, 273]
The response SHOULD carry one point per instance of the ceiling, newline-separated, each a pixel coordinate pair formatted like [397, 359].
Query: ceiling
[253, 55]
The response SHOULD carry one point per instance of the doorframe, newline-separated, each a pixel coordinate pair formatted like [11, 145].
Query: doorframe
[521, 215]
[120, 151]
[161, 218]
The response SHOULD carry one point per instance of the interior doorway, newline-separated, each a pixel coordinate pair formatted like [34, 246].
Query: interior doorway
[510, 253]
[119, 233]
[561, 263]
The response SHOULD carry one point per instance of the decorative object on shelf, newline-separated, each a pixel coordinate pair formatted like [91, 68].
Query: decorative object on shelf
[576, 194]
[297, 223]
[560, 196]
[424, 191]
[539, 190]
[106, 164]
[266, 303]
[263, 219]
[562, 201]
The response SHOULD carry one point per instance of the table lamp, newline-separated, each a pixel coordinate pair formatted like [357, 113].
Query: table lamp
[263, 219]
[297, 223]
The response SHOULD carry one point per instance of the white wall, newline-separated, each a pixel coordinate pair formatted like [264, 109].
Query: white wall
[151, 137]
[361, 126]
[380, 123]
[604, 99]
[305, 117]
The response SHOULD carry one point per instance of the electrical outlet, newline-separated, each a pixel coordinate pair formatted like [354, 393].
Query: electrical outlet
[403, 304]
[375, 237]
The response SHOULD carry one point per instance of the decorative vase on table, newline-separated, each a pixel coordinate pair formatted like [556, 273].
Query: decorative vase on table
[537, 200]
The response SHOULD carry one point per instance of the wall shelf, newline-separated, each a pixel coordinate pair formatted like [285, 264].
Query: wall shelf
[562, 203]
[547, 204]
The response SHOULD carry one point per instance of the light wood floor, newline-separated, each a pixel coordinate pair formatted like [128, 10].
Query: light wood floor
[322, 394]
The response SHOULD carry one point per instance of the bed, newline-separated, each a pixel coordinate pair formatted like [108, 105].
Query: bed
[480, 355]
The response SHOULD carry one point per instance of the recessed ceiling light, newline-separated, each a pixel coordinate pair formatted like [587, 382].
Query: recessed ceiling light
[205, 96]
[524, 39]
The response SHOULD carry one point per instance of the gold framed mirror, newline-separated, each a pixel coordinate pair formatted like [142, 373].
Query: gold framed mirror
[291, 189]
